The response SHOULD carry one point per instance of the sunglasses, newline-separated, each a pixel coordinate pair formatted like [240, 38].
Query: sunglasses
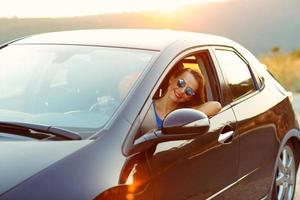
[188, 90]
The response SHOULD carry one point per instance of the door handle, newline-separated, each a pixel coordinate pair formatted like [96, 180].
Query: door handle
[226, 138]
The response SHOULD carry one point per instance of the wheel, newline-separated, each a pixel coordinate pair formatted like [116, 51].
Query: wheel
[285, 180]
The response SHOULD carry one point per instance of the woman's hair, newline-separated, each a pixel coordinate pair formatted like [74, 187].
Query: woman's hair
[199, 97]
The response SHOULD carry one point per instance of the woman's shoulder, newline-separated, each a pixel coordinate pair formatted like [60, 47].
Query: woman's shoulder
[149, 121]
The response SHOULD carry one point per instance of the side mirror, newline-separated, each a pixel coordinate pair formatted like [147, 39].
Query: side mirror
[181, 124]
[185, 121]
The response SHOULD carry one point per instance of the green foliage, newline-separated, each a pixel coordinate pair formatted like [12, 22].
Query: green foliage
[285, 67]
[297, 86]
[275, 49]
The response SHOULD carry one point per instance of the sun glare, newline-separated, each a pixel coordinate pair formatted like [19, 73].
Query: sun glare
[169, 6]
[62, 8]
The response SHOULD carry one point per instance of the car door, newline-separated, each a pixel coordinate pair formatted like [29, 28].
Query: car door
[253, 105]
[200, 168]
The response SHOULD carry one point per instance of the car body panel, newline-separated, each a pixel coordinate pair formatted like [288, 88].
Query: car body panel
[258, 115]
[83, 168]
[127, 38]
[258, 142]
[30, 157]
[261, 127]
[186, 165]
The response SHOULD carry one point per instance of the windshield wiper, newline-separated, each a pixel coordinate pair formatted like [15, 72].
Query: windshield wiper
[37, 131]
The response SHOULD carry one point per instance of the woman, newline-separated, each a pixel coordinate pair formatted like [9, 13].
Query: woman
[185, 89]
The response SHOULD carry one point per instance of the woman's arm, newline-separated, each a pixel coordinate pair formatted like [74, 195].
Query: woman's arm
[210, 108]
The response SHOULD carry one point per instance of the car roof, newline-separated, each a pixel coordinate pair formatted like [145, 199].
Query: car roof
[149, 39]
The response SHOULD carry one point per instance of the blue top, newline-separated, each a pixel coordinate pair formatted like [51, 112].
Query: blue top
[159, 121]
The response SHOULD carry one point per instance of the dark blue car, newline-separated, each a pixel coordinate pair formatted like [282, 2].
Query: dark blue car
[74, 120]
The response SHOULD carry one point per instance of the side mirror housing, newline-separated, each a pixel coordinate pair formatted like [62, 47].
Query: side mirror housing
[185, 121]
[181, 124]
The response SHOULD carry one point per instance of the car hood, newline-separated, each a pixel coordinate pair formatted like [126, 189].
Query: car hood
[22, 159]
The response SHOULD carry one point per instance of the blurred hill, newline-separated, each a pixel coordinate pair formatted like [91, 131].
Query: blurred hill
[258, 24]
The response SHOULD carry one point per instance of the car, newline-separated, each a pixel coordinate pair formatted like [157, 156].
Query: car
[74, 106]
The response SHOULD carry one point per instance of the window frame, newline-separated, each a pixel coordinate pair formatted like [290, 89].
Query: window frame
[226, 88]
[134, 131]
[190, 52]
[184, 54]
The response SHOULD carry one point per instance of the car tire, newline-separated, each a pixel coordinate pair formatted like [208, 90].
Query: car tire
[285, 180]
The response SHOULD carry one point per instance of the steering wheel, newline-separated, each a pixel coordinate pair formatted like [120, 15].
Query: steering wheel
[104, 104]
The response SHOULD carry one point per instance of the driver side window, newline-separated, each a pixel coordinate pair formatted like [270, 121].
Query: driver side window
[186, 85]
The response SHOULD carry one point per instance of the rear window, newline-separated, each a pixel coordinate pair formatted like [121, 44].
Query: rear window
[236, 73]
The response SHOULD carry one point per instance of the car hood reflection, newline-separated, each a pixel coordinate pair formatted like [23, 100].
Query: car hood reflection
[22, 159]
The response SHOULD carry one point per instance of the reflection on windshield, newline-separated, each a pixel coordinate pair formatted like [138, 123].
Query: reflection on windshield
[76, 87]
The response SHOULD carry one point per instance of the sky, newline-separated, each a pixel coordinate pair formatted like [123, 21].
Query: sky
[69, 8]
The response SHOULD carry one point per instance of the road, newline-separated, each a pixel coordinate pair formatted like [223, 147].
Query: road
[296, 105]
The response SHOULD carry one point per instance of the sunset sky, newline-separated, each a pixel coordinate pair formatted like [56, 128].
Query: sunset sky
[68, 8]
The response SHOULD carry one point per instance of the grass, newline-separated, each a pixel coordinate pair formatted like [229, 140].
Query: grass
[285, 67]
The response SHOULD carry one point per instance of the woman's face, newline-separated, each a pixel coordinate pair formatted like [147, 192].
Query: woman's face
[179, 93]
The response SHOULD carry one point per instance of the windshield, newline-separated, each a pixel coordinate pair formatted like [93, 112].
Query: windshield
[74, 87]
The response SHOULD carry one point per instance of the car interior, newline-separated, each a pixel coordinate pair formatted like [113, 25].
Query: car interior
[200, 63]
